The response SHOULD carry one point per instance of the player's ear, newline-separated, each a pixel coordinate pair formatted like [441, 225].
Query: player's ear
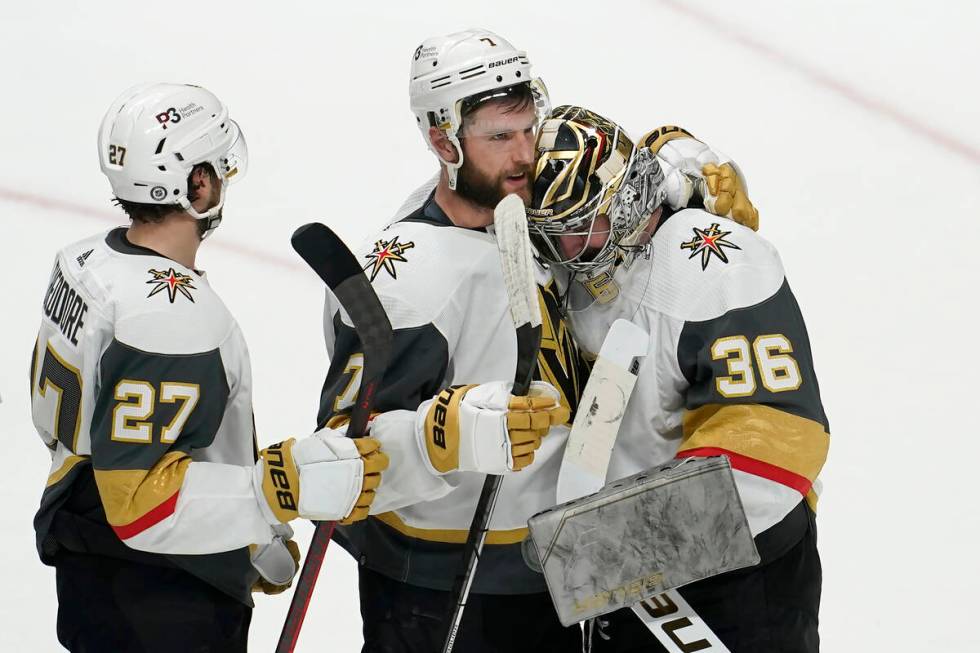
[201, 182]
[198, 183]
[202, 178]
[442, 145]
[203, 187]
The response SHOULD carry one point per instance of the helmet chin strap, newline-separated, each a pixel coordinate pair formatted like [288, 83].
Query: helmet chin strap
[210, 224]
[211, 218]
[452, 169]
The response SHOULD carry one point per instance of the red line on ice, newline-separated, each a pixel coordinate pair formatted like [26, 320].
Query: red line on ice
[817, 77]
[49, 204]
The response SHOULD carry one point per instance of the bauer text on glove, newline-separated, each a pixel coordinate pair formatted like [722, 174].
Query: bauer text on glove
[483, 428]
[326, 476]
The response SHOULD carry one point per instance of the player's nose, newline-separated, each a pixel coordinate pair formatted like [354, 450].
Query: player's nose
[523, 152]
[571, 246]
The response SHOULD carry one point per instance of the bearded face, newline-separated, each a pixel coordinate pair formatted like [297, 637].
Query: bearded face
[487, 189]
[498, 154]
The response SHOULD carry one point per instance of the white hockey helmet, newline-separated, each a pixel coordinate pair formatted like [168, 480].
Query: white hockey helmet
[446, 70]
[153, 135]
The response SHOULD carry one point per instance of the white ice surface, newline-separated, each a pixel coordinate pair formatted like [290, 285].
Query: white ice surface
[856, 123]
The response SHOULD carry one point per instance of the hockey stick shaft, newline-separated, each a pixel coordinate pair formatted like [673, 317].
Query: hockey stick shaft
[471, 555]
[480, 526]
[517, 261]
[304, 586]
[333, 262]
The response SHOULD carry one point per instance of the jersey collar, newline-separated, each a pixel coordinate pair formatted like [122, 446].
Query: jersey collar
[117, 241]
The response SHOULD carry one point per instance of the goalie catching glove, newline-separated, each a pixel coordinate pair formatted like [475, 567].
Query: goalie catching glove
[483, 428]
[691, 167]
[325, 477]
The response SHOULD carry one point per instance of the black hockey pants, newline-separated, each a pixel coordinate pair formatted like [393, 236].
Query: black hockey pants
[119, 606]
[402, 618]
[769, 608]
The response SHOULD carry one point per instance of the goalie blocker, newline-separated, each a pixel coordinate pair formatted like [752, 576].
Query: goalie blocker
[657, 530]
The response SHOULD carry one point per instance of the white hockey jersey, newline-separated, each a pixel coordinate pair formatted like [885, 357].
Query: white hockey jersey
[443, 290]
[141, 388]
[728, 371]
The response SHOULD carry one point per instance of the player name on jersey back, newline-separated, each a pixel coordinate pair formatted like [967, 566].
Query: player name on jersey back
[64, 306]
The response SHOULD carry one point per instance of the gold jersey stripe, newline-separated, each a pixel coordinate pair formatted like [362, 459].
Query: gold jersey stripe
[337, 421]
[449, 536]
[66, 467]
[770, 435]
[128, 494]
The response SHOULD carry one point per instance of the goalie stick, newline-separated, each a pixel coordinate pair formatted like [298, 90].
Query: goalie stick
[333, 262]
[601, 410]
[510, 227]
[586, 461]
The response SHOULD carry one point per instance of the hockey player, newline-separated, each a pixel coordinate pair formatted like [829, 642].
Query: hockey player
[728, 370]
[445, 403]
[159, 514]
[438, 276]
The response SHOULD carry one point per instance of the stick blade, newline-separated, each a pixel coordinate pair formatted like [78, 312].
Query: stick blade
[517, 260]
[325, 252]
[601, 411]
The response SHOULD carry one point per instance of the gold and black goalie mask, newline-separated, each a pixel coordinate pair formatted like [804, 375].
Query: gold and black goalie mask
[582, 159]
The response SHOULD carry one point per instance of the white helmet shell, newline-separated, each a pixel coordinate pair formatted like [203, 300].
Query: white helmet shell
[153, 135]
[448, 69]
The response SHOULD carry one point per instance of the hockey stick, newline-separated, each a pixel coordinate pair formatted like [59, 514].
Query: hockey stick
[586, 461]
[333, 262]
[601, 410]
[510, 226]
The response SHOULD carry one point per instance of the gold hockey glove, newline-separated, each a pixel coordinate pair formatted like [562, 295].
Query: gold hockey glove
[726, 195]
[691, 166]
[483, 428]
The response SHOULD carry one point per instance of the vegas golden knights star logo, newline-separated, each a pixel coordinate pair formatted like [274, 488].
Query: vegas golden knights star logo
[559, 361]
[173, 282]
[708, 242]
[386, 253]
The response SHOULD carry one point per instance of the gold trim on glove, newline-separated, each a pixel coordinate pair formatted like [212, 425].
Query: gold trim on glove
[730, 198]
[529, 418]
[442, 428]
[280, 480]
[375, 462]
